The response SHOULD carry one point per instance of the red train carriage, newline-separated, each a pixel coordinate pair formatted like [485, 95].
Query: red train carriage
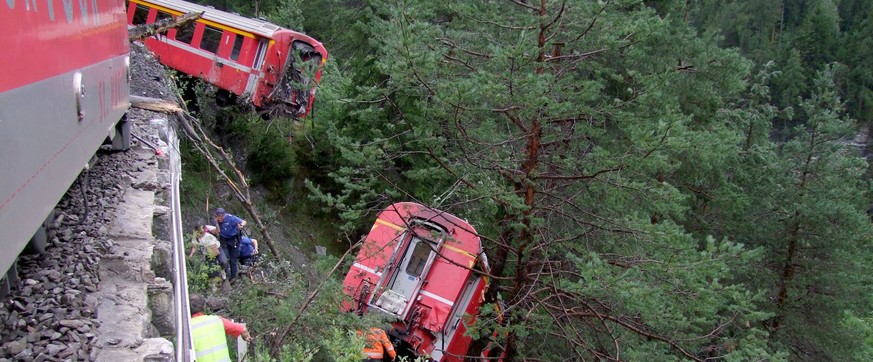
[422, 267]
[63, 89]
[277, 68]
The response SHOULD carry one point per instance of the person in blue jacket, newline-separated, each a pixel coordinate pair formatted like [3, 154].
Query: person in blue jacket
[229, 232]
[248, 250]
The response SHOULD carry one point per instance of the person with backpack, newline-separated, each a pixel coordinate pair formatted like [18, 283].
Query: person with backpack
[229, 231]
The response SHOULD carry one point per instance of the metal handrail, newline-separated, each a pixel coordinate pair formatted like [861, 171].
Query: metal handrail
[184, 346]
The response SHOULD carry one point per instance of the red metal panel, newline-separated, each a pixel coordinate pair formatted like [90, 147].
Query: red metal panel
[226, 44]
[443, 288]
[460, 342]
[247, 54]
[54, 34]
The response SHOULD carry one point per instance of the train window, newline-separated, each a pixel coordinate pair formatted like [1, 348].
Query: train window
[185, 33]
[237, 47]
[259, 56]
[163, 15]
[310, 60]
[419, 258]
[211, 39]
[140, 15]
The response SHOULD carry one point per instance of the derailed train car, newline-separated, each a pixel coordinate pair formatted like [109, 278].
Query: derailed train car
[63, 90]
[424, 269]
[277, 69]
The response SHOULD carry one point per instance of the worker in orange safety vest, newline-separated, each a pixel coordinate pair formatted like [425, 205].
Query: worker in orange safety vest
[376, 344]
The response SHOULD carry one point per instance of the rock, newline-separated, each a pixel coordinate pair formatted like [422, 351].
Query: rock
[71, 323]
[15, 347]
[54, 275]
[26, 354]
[18, 306]
[158, 357]
[54, 349]
[33, 337]
[70, 350]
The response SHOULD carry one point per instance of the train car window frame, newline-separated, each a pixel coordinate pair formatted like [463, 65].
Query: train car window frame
[260, 54]
[418, 259]
[186, 32]
[211, 39]
[309, 60]
[237, 47]
[140, 14]
[162, 15]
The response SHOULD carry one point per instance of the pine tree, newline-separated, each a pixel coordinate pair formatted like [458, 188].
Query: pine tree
[802, 203]
[562, 131]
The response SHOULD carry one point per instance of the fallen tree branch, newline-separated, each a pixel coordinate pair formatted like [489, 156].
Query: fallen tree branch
[278, 344]
[240, 187]
[143, 31]
[204, 144]
[154, 104]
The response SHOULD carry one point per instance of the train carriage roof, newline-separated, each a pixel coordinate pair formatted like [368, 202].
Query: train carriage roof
[255, 26]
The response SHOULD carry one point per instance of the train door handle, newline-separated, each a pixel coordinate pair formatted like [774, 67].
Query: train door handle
[79, 92]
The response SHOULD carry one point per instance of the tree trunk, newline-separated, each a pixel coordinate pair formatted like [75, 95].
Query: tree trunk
[146, 30]
[154, 104]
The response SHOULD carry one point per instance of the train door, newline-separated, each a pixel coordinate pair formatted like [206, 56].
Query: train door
[455, 319]
[252, 85]
[409, 272]
[406, 279]
[260, 54]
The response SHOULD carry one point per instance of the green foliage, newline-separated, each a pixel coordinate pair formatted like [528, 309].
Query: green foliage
[287, 13]
[203, 276]
[287, 353]
[802, 203]
[802, 36]
[621, 133]
[321, 333]
[271, 159]
[198, 183]
[636, 189]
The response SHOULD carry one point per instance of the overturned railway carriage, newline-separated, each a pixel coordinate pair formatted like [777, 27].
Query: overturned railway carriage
[276, 68]
[64, 87]
[422, 267]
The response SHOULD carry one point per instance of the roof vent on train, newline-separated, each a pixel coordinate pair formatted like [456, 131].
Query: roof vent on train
[269, 27]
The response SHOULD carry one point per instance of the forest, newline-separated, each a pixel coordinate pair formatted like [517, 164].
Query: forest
[651, 180]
